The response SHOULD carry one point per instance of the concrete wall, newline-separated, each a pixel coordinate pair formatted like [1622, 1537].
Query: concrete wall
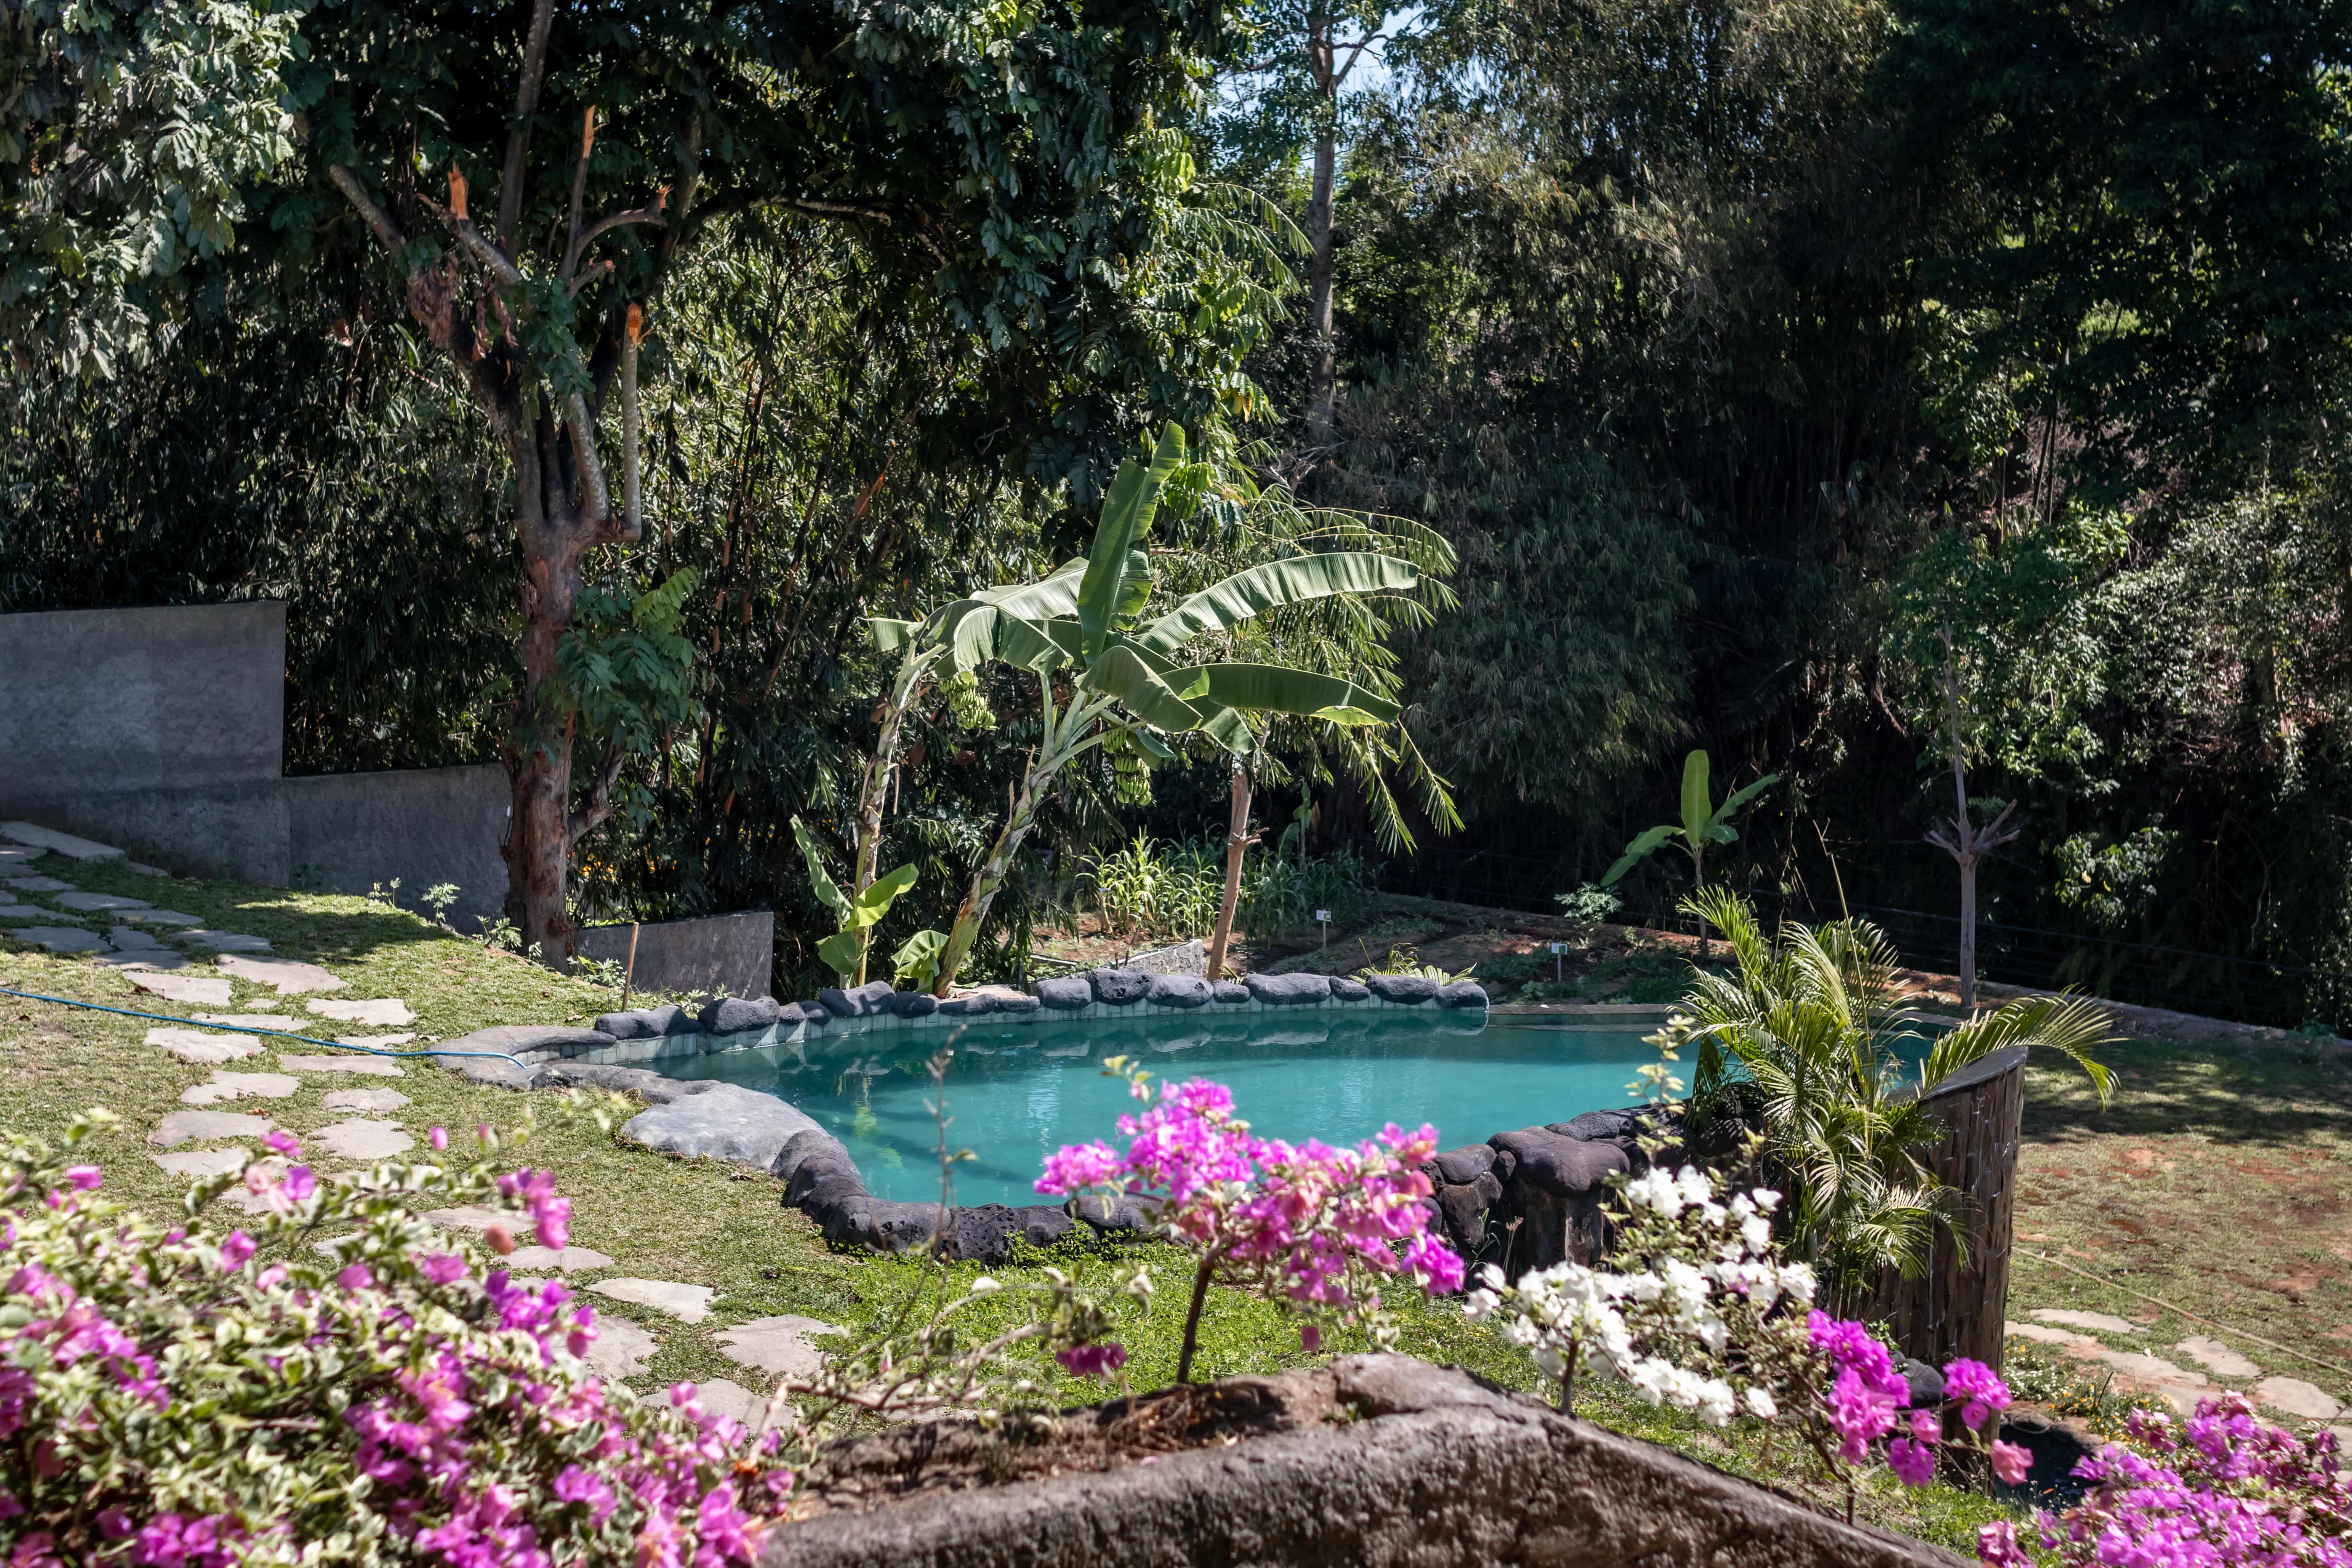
[726, 955]
[347, 832]
[150, 729]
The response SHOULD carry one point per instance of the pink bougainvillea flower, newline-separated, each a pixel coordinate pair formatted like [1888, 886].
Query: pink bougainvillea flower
[300, 1184]
[84, 1178]
[1926, 1427]
[358, 1276]
[2012, 1462]
[438, 1137]
[1914, 1463]
[282, 1142]
[1091, 1360]
[234, 1249]
[1310, 1339]
[441, 1268]
[1997, 1546]
[1979, 1390]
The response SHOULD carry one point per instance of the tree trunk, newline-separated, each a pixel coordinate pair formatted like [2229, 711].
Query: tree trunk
[537, 850]
[872, 792]
[1238, 845]
[1968, 934]
[986, 882]
[1323, 375]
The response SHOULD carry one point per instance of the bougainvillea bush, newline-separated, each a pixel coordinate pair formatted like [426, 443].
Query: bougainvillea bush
[2221, 1487]
[333, 1381]
[1307, 1225]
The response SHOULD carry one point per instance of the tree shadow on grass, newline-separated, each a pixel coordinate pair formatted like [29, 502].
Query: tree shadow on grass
[319, 927]
[2279, 1097]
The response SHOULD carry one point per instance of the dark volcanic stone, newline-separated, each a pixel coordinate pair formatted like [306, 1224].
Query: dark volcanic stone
[1230, 992]
[1345, 990]
[859, 1002]
[1065, 994]
[734, 1014]
[1462, 994]
[1289, 990]
[1559, 1165]
[1507, 1163]
[1017, 1004]
[1405, 990]
[1178, 991]
[822, 1171]
[790, 1013]
[914, 1003]
[1466, 1164]
[625, 1026]
[901, 1227]
[1601, 1124]
[673, 1019]
[1118, 1212]
[1119, 987]
[1926, 1383]
[985, 1233]
[967, 1006]
[803, 1146]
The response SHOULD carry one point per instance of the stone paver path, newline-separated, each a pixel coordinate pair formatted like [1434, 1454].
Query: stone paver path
[725, 1397]
[359, 1139]
[130, 939]
[2134, 1373]
[203, 1161]
[571, 1260]
[385, 1012]
[34, 836]
[78, 901]
[778, 1344]
[687, 1303]
[201, 1049]
[162, 918]
[222, 941]
[190, 990]
[184, 1126]
[290, 977]
[620, 1349]
[123, 961]
[362, 1099]
[38, 884]
[26, 914]
[370, 1067]
[2104, 1323]
[225, 1086]
[60, 939]
[2216, 1357]
[380, 1042]
[2297, 1397]
[472, 1217]
[250, 1021]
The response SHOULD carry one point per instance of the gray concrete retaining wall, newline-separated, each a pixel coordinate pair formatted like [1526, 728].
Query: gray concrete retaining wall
[724, 956]
[348, 832]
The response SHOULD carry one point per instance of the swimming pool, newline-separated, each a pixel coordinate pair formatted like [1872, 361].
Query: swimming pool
[1017, 1093]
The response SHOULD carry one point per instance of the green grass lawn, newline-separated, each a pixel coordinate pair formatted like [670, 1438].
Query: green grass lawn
[657, 1216]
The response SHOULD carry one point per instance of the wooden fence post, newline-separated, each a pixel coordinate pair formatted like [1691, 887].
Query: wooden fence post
[1959, 1308]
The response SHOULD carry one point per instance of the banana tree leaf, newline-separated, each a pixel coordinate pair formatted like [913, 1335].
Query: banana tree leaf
[890, 635]
[1037, 645]
[818, 880]
[1649, 838]
[1125, 520]
[1278, 689]
[1154, 746]
[1121, 673]
[1054, 594]
[874, 902]
[1740, 797]
[1262, 588]
[840, 952]
[1697, 809]
[917, 958]
[1230, 729]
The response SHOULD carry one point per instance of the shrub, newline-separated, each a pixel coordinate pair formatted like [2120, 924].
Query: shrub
[293, 1391]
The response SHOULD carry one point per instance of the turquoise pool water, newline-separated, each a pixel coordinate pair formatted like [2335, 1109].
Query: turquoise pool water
[1016, 1092]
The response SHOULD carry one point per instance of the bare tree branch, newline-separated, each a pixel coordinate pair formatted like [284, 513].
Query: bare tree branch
[650, 212]
[633, 518]
[574, 243]
[387, 233]
[534, 71]
[598, 805]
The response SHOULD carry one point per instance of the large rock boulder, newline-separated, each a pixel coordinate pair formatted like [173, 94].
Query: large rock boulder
[1065, 993]
[1229, 993]
[986, 1234]
[858, 1001]
[1466, 1164]
[1555, 1185]
[1289, 990]
[639, 1026]
[647, 1085]
[975, 1005]
[1602, 1124]
[1468, 1214]
[1119, 987]
[722, 1122]
[913, 1004]
[1122, 1213]
[1346, 990]
[1462, 994]
[810, 1013]
[810, 1142]
[1405, 990]
[1178, 991]
[736, 1016]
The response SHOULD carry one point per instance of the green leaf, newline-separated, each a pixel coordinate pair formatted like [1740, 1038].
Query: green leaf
[1742, 796]
[874, 902]
[841, 951]
[1261, 588]
[1120, 672]
[1698, 811]
[829, 895]
[1643, 845]
[1037, 645]
[1125, 520]
[890, 635]
[1278, 689]
[917, 958]
[1229, 729]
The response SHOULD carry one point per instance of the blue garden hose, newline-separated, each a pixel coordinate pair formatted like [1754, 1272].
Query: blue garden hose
[278, 1033]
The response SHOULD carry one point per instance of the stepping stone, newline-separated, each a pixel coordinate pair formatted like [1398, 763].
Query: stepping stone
[357, 1139]
[101, 902]
[34, 836]
[140, 959]
[2134, 1372]
[222, 941]
[201, 1049]
[291, 976]
[16, 854]
[2216, 1357]
[620, 1349]
[162, 918]
[2297, 1397]
[38, 884]
[381, 1042]
[473, 1216]
[362, 1099]
[372, 1067]
[725, 1397]
[779, 1344]
[130, 939]
[205, 991]
[144, 871]
[202, 1163]
[249, 1021]
[387, 1012]
[571, 1260]
[2104, 1322]
[59, 938]
[687, 1303]
[182, 1126]
[240, 1085]
[29, 914]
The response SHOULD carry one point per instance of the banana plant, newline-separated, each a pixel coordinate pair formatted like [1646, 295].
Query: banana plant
[1703, 823]
[1106, 675]
[857, 914]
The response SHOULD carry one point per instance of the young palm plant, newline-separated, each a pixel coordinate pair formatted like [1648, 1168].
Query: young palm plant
[1811, 1030]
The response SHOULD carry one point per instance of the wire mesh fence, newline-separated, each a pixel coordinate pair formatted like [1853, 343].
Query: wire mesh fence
[2220, 986]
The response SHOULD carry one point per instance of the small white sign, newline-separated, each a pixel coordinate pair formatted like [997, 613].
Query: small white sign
[1322, 914]
[1558, 947]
